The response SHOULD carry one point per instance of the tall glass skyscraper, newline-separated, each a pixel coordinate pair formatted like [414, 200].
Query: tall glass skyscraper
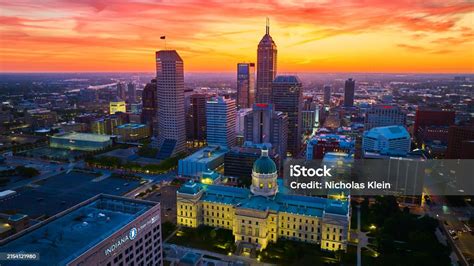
[221, 114]
[287, 97]
[349, 89]
[266, 66]
[170, 97]
[245, 85]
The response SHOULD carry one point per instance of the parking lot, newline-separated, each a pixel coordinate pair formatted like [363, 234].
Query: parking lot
[57, 193]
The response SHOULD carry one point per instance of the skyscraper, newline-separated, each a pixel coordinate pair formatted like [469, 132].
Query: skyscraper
[265, 125]
[349, 88]
[245, 85]
[221, 114]
[327, 94]
[196, 117]
[266, 66]
[170, 98]
[132, 92]
[287, 96]
[149, 111]
[121, 91]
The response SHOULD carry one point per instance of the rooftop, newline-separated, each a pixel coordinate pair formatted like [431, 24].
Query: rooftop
[343, 140]
[131, 126]
[206, 154]
[282, 202]
[65, 236]
[287, 79]
[389, 132]
[82, 136]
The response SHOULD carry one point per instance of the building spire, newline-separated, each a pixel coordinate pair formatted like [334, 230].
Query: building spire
[268, 26]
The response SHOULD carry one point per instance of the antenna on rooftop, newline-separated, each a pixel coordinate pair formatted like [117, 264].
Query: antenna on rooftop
[268, 26]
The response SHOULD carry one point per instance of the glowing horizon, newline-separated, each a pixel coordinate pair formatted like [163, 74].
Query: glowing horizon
[323, 36]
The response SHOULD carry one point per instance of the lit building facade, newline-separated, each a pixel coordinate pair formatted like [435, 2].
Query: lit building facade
[118, 106]
[262, 214]
[170, 98]
[245, 85]
[80, 141]
[221, 114]
[133, 132]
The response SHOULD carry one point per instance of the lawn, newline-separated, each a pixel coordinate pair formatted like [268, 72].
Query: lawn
[287, 252]
[205, 237]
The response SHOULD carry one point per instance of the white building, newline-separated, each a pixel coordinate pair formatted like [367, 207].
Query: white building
[391, 140]
[221, 115]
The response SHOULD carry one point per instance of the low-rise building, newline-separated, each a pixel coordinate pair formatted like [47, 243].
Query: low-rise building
[133, 132]
[80, 141]
[205, 159]
[390, 140]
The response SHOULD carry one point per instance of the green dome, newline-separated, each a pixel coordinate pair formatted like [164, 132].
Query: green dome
[264, 165]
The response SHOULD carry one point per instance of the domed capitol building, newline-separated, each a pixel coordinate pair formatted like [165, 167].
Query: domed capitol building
[263, 214]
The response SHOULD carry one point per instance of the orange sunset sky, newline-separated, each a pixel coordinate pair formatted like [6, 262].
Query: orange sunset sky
[213, 36]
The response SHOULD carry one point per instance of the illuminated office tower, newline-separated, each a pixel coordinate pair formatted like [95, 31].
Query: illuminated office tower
[349, 90]
[117, 106]
[266, 67]
[245, 85]
[221, 114]
[170, 98]
[287, 97]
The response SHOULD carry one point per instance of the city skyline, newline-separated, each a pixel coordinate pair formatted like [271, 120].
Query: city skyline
[327, 37]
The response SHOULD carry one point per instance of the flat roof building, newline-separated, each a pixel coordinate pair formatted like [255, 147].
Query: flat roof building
[205, 159]
[80, 141]
[391, 140]
[104, 230]
[133, 132]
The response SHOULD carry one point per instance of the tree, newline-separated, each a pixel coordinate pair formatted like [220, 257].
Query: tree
[27, 172]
